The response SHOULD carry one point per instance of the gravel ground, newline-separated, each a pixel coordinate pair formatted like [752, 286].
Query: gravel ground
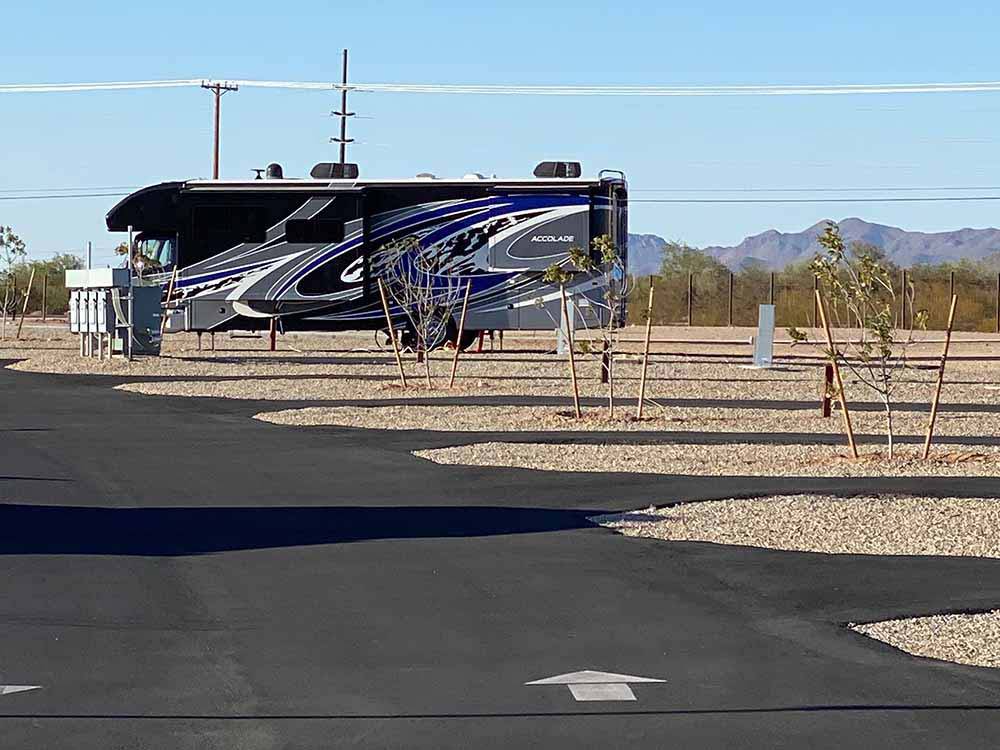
[734, 459]
[471, 418]
[886, 525]
[530, 378]
[964, 639]
[867, 525]
[325, 367]
[352, 357]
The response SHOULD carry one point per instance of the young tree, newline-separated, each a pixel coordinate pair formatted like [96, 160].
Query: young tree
[427, 294]
[861, 292]
[602, 259]
[12, 254]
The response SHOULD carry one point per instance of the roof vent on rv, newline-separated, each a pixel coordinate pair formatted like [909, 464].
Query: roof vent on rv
[558, 169]
[326, 170]
[473, 176]
[274, 172]
[426, 176]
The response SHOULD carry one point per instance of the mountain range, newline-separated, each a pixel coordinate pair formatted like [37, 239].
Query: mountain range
[775, 250]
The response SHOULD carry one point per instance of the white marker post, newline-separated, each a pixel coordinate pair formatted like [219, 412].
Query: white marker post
[763, 352]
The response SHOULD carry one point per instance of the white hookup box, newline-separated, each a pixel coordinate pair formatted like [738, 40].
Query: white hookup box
[763, 351]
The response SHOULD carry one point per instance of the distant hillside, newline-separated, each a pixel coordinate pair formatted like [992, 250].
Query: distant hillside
[776, 249]
[645, 254]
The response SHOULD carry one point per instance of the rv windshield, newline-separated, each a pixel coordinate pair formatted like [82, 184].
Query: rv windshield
[155, 253]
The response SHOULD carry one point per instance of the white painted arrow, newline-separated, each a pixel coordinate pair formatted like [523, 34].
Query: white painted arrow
[588, 685]
[8, 689]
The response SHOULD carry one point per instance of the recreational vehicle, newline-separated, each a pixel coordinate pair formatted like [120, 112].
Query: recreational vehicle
[308, 253]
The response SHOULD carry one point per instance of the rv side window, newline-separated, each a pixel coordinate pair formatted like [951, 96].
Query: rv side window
[314, 230]
[230, 225]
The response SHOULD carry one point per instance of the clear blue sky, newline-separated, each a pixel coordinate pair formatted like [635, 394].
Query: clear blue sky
[135, 138]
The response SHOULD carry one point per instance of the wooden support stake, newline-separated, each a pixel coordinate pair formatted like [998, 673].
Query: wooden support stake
[815, 320]
[27, 295]
[6, 302]
[166, 305]
[940, 378]
[392, 332]
[645, 348]
[273, 333]
[572, 359]
[461, 330]
[824, 396]
[605, 363]
[836, 374]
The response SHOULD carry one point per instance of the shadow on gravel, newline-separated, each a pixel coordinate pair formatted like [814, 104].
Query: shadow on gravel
[53, 530]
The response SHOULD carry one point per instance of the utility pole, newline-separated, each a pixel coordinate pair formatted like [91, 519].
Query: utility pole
[343, 114]
[218, 89]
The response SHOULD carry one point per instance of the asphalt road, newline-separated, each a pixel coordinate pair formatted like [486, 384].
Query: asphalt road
[177, 575]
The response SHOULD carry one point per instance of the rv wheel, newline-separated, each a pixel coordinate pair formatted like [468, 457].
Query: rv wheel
[468, 339]
[443, 334]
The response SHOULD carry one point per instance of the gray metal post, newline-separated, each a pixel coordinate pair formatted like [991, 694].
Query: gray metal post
[131, 298]
[89, 255]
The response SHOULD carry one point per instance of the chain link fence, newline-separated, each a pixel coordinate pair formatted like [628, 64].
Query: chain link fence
[719, 298]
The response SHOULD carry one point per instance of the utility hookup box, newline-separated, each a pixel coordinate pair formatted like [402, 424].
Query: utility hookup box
[100, 301]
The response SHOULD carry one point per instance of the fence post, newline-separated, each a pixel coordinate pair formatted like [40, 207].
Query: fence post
[690, 299]
[731, 299]
[45, 292]
[952, 284]
[998, 301]
[770, 292]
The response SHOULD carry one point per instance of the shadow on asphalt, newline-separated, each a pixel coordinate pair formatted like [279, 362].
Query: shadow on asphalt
[53, 530]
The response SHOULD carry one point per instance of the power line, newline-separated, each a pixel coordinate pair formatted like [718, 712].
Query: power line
[60, 195]
[819, 190]
[533, 89]
[112, 189]
[926, 199]
[706, 201]
[44, 88]
[130, 188]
